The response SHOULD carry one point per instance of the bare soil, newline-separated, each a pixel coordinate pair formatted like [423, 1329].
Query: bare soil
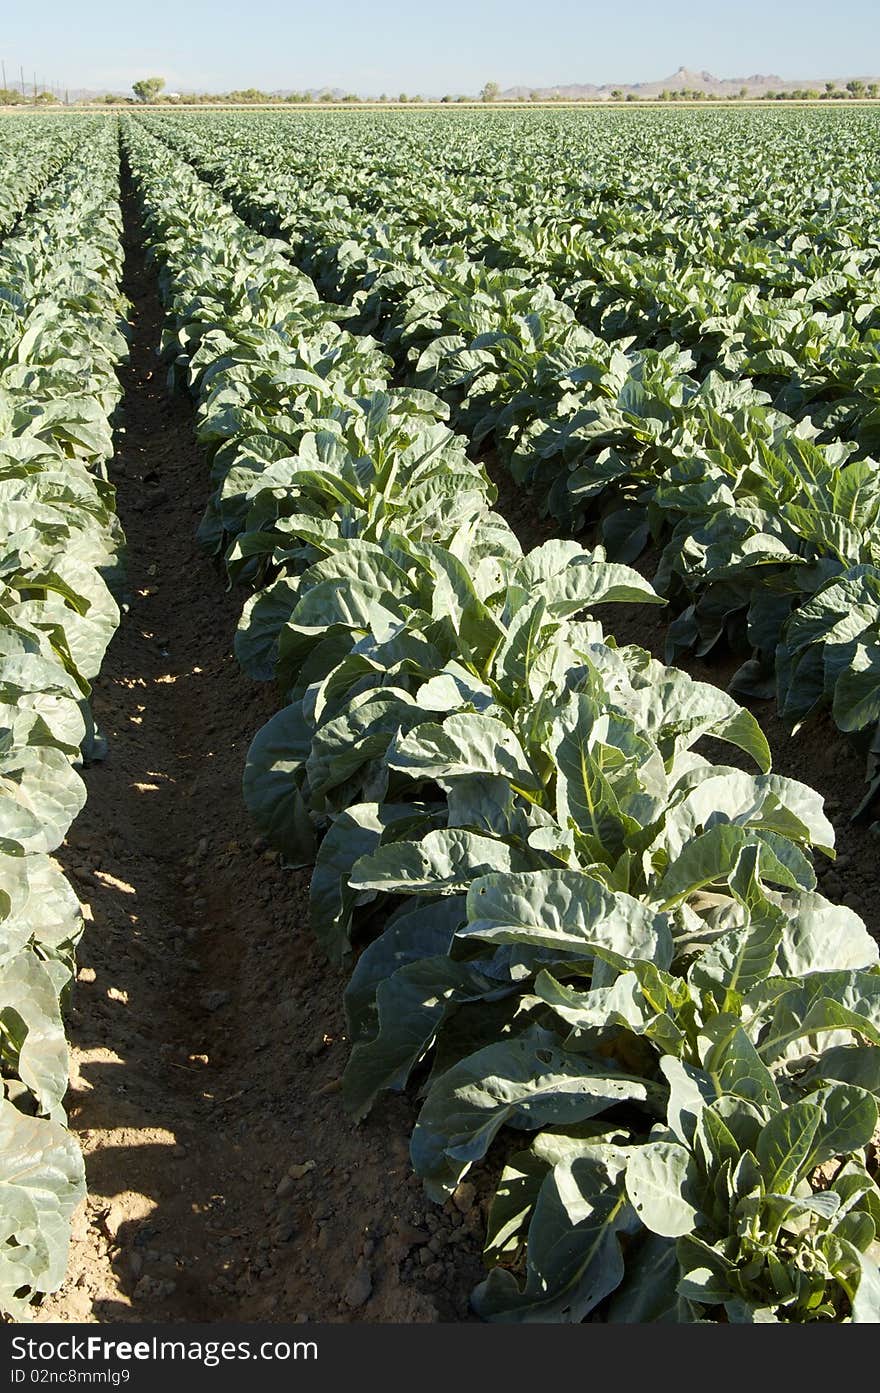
[207, 1032]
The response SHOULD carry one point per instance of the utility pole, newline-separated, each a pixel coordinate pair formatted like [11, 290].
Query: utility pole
[4, 74]
[21, 70]
[35, 89]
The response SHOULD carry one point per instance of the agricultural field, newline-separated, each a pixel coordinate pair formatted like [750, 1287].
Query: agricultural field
[479, 862]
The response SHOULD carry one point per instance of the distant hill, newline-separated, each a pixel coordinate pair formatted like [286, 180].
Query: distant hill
[685, 79]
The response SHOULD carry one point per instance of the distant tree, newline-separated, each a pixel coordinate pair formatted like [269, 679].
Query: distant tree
[110, 99]
[447, 98]
[631, 97]
[403, 97]
[744, 92]
[417, 98]
[147, 89]
[383, 97]
[664, 95]
[351, 97]
[872, 89]
[811, 94]
[829, 86]
[855, 88]
[534, 96]
[490, 93]
[616, 94]
[47, 99]
[326, 97]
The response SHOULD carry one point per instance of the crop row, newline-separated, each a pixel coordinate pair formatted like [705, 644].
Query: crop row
[567, 922]
[771, 525]
[31, 152]
[652, 183]
[690, 270]
[800, 321]
[60, 342]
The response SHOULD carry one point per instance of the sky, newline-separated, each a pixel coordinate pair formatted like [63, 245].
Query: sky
[454, 46]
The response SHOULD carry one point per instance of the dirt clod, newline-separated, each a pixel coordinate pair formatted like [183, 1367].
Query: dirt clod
[464, 1197]
[360, 1287]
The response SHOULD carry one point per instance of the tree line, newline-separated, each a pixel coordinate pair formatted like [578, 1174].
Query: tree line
[152, 89]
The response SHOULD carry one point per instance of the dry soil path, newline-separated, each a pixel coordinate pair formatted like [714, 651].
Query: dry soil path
[225, 1181]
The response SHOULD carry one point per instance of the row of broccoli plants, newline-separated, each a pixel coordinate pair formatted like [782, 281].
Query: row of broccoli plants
[791, 209]
[31, 152]
[800, 318]
[567, 923]
[61, 339]
[812, 344]
[769, 529]
[340, 241]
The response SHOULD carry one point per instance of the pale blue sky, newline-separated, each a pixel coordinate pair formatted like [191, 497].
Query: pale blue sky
[453, 45]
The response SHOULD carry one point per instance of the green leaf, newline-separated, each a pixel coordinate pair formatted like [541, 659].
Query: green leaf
[710, 858]
[689, 1092]
[412, 1005]
[527, 1082]
[734, 1065]
[41, 1183]
[463, 745]
[866, 1302]
[442, 863]
[568, 912]
[272, 783]
[785, 1145]
[847, 1120]
[421, 929]
[663, 1187]
[512, 1204]
[648, 1292]
[354, 833]
[574, 1253]
[584, 793]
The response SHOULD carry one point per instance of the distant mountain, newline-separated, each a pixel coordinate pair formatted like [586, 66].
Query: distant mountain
[685, 79]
